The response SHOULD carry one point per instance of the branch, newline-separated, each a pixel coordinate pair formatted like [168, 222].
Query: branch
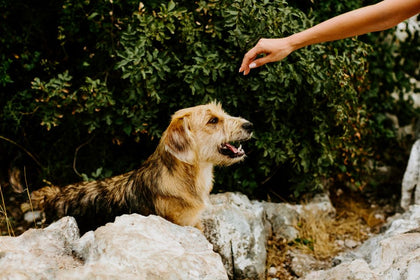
[22, 148]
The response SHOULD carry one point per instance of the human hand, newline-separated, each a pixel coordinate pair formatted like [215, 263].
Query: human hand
[274, 50]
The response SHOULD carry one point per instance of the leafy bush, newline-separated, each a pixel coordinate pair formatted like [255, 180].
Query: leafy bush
[94, 97]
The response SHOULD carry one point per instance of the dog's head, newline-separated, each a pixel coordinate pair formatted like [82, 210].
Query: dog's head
[206, 133]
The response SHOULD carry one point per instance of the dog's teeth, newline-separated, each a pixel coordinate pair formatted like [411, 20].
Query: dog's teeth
[240, 148]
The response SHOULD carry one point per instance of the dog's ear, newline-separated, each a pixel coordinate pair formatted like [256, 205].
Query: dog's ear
[178, 140]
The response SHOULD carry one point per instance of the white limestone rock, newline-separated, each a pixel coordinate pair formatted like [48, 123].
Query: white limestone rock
[133, 247]
[411, 179]
[355, 270]
[138, 247]
[234, 225]
[39, 253]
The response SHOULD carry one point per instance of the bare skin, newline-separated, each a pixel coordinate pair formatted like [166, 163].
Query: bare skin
[377, 17]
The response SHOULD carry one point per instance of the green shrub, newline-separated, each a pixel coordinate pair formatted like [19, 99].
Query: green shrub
[107, 81]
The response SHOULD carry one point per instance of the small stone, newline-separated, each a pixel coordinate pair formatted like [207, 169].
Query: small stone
[350, 243]
[32, 216]
[25, 207]
[340, 243]
[272, 271]
[380, 217]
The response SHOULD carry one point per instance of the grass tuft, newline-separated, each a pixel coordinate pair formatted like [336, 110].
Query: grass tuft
[4, 218]
[323, 235]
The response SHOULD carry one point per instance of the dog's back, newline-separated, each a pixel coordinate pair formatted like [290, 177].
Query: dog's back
[96, 203]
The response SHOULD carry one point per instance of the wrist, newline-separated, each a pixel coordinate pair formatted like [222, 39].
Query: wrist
[296, 41]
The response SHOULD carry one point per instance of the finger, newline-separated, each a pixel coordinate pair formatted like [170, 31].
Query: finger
[248, 58]
[244, 68]
[259, 62]
[246, 71]
[247, 68]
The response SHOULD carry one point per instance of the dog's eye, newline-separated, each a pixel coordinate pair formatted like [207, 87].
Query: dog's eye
[213, 120]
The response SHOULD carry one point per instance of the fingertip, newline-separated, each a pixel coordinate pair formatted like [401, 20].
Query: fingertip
[243, 70]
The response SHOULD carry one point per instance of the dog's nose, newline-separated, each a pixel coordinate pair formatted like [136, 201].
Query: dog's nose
[248, 126]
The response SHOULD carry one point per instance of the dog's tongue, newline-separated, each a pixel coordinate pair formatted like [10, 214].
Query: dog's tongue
[232, 148]
[231, 151]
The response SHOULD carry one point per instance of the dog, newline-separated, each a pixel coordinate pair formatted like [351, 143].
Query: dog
[174, 182]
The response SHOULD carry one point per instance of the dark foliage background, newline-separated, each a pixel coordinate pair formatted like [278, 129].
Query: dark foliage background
[87, 87]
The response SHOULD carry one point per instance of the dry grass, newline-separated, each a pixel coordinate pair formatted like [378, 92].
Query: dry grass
[278, 257]
[4, 218]
[319, 232]
[322, 235]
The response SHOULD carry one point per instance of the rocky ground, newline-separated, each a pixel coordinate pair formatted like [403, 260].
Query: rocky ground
[150, 247]
[309, 244]
[322, 238]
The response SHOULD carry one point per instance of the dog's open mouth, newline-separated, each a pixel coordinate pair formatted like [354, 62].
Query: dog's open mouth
[229, 149]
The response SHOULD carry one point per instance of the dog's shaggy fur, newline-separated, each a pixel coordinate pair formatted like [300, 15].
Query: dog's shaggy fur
[174, 182]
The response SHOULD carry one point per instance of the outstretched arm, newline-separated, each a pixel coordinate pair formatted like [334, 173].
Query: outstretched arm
[380, 16]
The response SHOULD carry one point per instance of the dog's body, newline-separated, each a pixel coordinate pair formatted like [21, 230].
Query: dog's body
[174, 182]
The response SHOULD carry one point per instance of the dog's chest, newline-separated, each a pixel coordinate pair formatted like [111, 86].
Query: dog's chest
[205, 178]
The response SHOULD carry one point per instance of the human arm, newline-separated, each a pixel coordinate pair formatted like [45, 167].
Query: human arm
[377, 17]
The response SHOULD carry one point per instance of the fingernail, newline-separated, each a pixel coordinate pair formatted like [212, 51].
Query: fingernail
[253, 65]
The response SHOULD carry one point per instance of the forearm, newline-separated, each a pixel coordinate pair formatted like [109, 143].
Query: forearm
[381, 16]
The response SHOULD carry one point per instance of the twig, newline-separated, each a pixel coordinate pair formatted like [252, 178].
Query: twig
[271, 176]
[75, 155]
[22, 148]
[29, 195]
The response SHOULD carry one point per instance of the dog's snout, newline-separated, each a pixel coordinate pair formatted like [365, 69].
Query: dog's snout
[248, 126]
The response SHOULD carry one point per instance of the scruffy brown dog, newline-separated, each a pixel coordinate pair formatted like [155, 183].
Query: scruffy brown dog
[174, 182]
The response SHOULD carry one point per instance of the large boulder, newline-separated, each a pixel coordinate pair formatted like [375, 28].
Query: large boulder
[411, 181]
[133, 247]
[39, 254]
[235, 227]
[138, 247]
[281, 220]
